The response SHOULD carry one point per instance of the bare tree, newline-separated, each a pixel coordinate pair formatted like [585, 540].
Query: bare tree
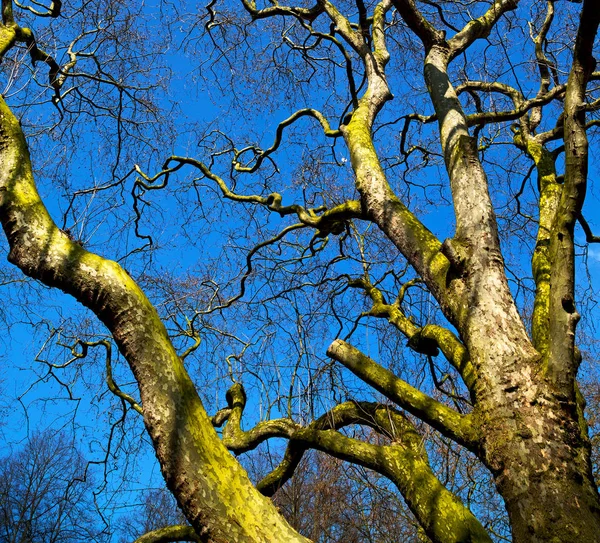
[330, 501]
[489, 95]
[44, 495]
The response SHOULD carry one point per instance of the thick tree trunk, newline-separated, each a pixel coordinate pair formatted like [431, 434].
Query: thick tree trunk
[533, 435]
[537, 448]
[557, 504]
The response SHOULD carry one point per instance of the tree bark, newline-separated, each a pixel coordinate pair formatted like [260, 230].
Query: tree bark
[537, 448]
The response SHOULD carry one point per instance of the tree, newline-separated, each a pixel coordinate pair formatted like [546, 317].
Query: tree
[502, 106]
[43, 494]
[331, 501]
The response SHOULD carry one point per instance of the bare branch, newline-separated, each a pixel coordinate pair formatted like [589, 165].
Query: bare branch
[113, 387]
[261, 155]
[589, 236]
[544, 64]
[325, 221]
[563, 315]
[308, 14]
[53, 10]
[480, 27]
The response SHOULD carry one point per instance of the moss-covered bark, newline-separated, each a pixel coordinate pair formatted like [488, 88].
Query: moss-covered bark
[169, 534]
[540, 460]
[442, 515]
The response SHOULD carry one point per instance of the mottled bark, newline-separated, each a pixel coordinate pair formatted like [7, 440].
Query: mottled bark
[533, 437]
[546, 475]
[540, 458]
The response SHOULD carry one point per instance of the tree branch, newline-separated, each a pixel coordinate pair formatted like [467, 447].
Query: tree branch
[112, 385]
[480, 27]
[563, 315]
[426, 339]
[344, 29]
[307, 112]
[441, 514]
[170, 534]
[415, 20]
[543, 63]
[522, 105]
[444, 518]
[308, 14]
[457, 427]
[325, 221]
[589, 236]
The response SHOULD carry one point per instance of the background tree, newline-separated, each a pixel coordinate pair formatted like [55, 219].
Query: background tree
[332, 501]
[44, 494]
[159, 511]
[462, 346]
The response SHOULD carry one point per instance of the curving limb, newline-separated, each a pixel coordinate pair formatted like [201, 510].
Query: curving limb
[481, 27]
[53, 10]
[522, 105]
[261, 155]
[404, 461]
[11, 33]
[284, 471]
[197, 467]
[419, 24]
[112, 385]
[546, 67]
[308, 14]
[325, 220]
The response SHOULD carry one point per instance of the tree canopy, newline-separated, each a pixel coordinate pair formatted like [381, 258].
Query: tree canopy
[358, 228]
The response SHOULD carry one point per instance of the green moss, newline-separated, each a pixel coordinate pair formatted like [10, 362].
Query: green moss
[7, 38]
[541, 265]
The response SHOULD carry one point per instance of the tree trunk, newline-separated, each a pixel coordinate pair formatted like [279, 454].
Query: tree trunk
[537, 448]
